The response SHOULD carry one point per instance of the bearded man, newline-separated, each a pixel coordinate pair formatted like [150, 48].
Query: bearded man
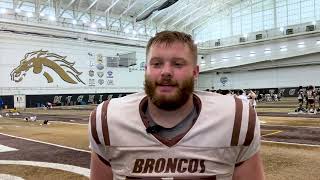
[171, 131]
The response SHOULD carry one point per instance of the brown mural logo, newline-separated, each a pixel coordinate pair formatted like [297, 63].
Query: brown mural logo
[37, 60]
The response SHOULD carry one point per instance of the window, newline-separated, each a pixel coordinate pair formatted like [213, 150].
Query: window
[307, 12]
[257, 15]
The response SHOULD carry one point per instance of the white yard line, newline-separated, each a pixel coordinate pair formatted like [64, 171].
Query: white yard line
[6, 148]
[287, 143]
[62, 122]
[276, 132]
[57, 145]
[63, 167]
[9, 177]
[290, 126]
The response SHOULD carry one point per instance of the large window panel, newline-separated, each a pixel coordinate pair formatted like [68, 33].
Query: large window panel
[246, 23]
[268, 17]
[293, 1]
[257, 7]
[281, 3]
[256, 1]
[317, 9]
[257, 21]
[6, 4]
[268, 4]
[236, 10]
[226, 27]
[246, 11]
[307, 12]
[257, 15]
[215, 34]
[293, 13]
[236, 25]
[281, 16]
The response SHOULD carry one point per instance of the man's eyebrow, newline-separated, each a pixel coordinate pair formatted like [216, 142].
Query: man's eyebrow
[179, 59]
[155, 58]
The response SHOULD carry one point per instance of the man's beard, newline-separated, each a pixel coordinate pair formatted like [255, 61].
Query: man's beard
[169, 102]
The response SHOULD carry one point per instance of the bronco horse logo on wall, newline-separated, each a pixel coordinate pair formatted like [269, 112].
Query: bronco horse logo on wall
[40, 59]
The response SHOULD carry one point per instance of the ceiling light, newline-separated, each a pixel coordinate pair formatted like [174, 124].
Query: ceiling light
[52, 18]
[17, 10]
[281, 29]
[141, 31]
[238, 56]
[84, 21]
[225, 59]
[102, 24]
[245, 35]
[134, 32]
[203, 62]
[3, 11]
[93, 25]
[42, 14]
[74, 22]
[252, 54]
[29, 14]
[267, 51]
[126, 31]
[318, 42]
[314, 22]
[301, 45]
[283, 48]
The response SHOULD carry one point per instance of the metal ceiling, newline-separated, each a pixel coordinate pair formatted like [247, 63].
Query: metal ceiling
[121, 15]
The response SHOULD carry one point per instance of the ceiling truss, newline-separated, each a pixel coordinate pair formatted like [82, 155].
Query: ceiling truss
[121, 15]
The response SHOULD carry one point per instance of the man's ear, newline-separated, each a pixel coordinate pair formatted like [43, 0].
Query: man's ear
[196, 72]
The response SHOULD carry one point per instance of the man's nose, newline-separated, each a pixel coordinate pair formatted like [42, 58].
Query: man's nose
[167, 70]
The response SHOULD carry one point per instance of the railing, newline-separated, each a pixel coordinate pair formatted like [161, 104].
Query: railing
[270, 34]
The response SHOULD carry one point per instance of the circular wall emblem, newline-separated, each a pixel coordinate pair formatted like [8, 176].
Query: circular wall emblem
[224, 80]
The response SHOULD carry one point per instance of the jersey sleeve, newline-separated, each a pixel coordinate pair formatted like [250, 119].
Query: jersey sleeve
[252, 141]
[98, 130]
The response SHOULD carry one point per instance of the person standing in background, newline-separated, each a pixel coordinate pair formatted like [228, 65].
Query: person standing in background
[252, 98]
[1, 104]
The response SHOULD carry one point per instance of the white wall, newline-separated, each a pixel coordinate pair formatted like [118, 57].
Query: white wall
[243, 54]
[264, 78]
[13, 47]
[298, 64]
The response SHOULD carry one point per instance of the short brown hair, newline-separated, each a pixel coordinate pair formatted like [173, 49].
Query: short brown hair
[169, 37]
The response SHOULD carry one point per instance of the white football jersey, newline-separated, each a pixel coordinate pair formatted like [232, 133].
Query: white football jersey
[225, 133]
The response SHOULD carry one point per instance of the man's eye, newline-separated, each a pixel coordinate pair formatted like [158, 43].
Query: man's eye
[178, 64]
[156, 64]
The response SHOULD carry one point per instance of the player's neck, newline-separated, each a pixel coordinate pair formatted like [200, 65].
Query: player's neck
[169, 119]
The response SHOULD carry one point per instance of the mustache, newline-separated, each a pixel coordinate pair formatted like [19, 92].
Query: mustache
[167, 81]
